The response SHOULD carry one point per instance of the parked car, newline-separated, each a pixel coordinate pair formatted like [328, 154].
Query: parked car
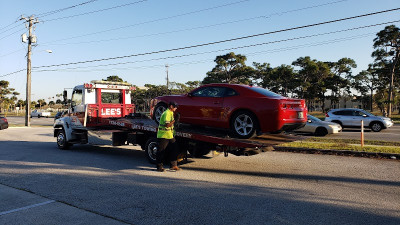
[38, 114]
[318, 127]
[242, 109]
[3, 123]
[353, 117]
[60, 114]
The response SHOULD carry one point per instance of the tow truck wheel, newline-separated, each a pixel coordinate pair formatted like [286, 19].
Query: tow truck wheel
[151, 150]
[62, 140]
[158, 111]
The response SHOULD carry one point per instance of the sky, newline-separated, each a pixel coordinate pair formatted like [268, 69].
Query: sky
[136, 39]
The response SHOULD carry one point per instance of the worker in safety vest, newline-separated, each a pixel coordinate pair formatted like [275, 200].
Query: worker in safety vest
[165, 136]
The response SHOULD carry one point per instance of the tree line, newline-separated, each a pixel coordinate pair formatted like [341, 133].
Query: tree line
[377, 86]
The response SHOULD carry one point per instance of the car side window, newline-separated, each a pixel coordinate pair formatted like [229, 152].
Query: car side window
[230, 92]
[347, 113]
[209, 92]
[359, 113]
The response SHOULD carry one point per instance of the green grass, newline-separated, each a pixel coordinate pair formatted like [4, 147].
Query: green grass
[342, 145]
[353, 141]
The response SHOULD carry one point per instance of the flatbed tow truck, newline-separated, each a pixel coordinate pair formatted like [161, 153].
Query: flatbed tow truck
[101, 113]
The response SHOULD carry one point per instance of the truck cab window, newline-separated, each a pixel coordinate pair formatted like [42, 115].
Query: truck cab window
[111, 97]
[77, 96]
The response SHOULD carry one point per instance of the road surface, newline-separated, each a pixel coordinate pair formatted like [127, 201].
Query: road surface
[40, 184]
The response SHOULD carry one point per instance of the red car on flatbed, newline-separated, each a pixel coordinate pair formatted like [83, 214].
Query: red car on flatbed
[242, 109]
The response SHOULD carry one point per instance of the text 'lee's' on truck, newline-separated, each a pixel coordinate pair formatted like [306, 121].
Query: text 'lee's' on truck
[102, 113]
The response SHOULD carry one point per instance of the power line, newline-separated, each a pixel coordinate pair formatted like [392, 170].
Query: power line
[8, 74]
[152, 21]
[208, 60]
[218, 42]
[240, 47]
[63, 9]
[95, 11]
[12, 33]
[203, 27]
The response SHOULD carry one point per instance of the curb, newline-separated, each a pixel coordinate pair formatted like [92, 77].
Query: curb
[377, 155]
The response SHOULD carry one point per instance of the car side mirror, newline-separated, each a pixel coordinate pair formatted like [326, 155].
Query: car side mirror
[189, 94]
[365, 115]
[309, 121]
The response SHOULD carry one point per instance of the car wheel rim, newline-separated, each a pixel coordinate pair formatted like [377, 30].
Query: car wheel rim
[152, 150]
[376, 126]
[243, 125]
[61, 139]
[159, 112]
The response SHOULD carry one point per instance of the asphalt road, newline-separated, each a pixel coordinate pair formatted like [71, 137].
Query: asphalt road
[40, 184]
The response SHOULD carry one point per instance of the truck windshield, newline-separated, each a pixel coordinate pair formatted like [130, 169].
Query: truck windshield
[111, 96]
[77, 96]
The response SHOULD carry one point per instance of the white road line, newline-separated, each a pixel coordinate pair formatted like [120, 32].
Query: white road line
[26, 207]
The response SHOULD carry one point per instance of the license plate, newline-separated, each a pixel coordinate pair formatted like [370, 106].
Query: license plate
[300, 115]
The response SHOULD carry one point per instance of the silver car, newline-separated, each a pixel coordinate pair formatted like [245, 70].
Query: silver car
[319, 127]
[353, 117]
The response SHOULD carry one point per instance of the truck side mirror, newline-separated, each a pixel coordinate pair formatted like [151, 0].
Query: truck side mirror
[73, 104]
[65, 96]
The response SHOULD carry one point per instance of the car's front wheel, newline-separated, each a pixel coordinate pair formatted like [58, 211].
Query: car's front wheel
[376, 126]
[321, 131]
[243, 124]
[158, 111]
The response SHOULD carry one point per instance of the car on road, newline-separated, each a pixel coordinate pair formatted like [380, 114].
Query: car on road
[319, 128]
[352, 118]
[38, 114]
[242, 109]
[3, 123]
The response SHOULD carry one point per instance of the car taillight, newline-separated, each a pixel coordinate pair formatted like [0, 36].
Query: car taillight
[326, 115]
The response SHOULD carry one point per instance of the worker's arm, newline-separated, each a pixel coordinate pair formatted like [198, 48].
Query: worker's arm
[170, 124]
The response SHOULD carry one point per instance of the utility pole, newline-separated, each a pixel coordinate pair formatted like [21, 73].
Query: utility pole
[166, 69]
[30, 39]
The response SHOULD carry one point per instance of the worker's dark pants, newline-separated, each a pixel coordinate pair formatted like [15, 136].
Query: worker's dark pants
[167, 147]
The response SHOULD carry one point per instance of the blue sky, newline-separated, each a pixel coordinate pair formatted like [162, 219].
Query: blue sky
[148, 26]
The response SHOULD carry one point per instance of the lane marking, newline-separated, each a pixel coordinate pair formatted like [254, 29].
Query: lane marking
[26, 207]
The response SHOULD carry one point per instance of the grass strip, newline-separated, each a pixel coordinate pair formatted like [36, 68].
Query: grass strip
[353, 141]
[343, 146]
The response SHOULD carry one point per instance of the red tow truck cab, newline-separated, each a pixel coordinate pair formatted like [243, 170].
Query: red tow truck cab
[93, 102]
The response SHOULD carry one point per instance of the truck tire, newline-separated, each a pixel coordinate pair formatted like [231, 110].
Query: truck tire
[62, 141]
[151, 150]
[243, 124]
[158, 111]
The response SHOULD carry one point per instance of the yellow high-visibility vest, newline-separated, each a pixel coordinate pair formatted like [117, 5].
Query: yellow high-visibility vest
[163, 131]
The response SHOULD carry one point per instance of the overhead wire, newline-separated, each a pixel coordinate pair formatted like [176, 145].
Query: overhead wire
[209, 60]
[63, 9]
[222, 41]
[95, 11]
[239, 47]
[151, 21]
[201, 27]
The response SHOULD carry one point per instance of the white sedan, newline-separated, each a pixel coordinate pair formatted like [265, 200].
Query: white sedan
[318, 127]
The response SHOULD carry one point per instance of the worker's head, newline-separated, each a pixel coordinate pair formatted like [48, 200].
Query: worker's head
[173, 106]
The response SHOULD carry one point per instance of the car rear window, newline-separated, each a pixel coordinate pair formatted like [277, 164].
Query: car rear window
[264, 92]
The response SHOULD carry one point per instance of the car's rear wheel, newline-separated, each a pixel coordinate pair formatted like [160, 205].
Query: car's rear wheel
[321, 131]
[243, 124]
[158, 111]
[376, 126]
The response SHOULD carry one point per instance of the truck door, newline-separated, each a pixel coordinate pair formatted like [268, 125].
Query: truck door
[78, 108]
